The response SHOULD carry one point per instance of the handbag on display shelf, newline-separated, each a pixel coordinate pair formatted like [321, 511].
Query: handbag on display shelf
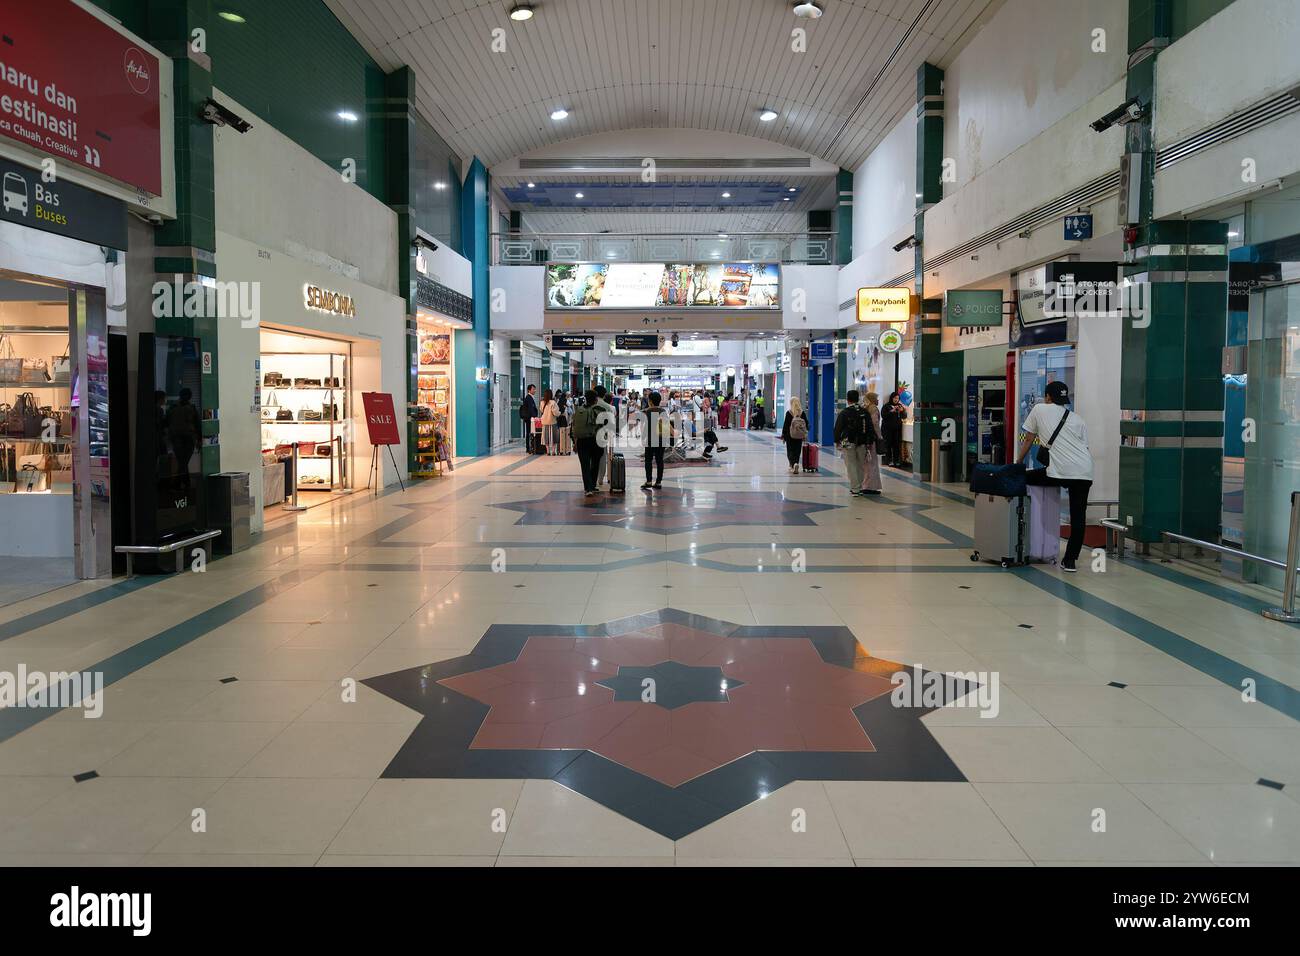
[308, 415]
[325, 450]
[306, 449]
[36, 372]
[25, 417]
[11, 368]
[284, 414]
[283, 451]
[306, 383]
[272, 378]
[33, 473]
[330, 412]
[61, 366]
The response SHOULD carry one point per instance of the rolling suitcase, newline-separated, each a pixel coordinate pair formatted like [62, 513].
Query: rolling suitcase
[618, 474]
[1043, 524]
[566, 441]
[999, 530]
[811, 456]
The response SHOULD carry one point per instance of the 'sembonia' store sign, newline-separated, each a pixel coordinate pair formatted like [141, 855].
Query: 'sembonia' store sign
[323, 300]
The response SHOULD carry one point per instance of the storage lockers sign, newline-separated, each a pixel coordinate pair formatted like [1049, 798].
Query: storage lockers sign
[74, 88]
[972, 307]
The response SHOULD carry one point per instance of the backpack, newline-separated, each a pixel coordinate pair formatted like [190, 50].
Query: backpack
[798, 428]
[584, 422]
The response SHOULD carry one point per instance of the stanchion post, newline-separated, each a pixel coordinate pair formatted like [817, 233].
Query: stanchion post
[1287, 613]
[292, 503]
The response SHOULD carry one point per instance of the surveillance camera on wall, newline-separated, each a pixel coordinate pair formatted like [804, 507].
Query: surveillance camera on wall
[218, 115]
[1127, 112]
[908, 243]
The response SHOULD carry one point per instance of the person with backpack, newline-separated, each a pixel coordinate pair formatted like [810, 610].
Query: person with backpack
[585, 428]
[794, 432]
[852, 433]
[658, 436]
[1062, 437]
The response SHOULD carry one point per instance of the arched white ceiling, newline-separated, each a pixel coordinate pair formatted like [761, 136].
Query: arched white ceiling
[692, 64]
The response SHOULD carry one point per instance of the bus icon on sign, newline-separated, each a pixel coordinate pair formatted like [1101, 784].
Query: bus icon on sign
[15, 193]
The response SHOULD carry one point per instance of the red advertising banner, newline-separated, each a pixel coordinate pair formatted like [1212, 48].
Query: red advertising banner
[73, 87]
[381, 419]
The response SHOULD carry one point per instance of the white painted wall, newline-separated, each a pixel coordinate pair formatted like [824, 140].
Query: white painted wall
[1096, 399]
[1244, 54]
[273, 192]
[884, 191]
[520, 290]
[817, 288]
[1028, 67]
[449, 268]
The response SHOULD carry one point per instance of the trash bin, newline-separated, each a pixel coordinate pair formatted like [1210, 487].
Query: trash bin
[230, 510]
[942, 460]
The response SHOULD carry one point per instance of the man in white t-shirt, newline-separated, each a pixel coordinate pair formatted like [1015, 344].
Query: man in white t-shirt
[1065, 435]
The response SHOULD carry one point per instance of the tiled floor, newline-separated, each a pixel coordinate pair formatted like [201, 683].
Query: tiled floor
[490, 669]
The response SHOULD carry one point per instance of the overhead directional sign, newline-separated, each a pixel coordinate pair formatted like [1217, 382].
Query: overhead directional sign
[638, 342]
[572, 343]
[823, 351]
[1078, 226]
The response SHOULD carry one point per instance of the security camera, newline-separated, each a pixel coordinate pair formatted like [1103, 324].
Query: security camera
[218, 115]
[1127, 112]
[908, 243]
[674, 340]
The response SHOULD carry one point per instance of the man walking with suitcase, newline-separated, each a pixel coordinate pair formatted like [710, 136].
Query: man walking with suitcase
[1062, 436]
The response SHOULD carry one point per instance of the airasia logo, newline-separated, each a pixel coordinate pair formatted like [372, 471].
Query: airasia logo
[136, 67]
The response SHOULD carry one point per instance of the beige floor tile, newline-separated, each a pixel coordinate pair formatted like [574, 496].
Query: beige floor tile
[551, 820]
[317, 749]
[795, 821]
[1017, 754]
[430, 817]
[1063, 821]
[253, 815]
[192, 749]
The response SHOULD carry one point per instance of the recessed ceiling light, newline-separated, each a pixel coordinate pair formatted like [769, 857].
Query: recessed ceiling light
[578, 196]
[785, 199]
[792, 189]
[808, 9]
[231, 16]
[439, 185]
[532, 185]
[521, 11]
[559, 113]
[767, 115]
[726, 195]
[347, 116]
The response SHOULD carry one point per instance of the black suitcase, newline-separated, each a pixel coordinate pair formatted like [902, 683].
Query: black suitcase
[618, 474]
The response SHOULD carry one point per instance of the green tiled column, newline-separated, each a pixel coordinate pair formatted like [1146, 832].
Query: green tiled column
[546, 369]
[938, 388]
[517, 386]
[842, 382]
[186, 246]
[844, 218]
[1171, 390]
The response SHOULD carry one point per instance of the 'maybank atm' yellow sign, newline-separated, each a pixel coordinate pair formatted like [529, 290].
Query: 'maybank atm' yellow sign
[884, 305]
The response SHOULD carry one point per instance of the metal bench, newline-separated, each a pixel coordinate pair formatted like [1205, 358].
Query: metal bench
[1116, 532]
[131, 550]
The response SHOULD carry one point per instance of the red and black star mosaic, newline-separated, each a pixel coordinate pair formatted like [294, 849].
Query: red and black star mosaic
[671, 719]
[667, 511]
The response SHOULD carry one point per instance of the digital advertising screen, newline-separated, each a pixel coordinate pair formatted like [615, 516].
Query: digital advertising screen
[634, 285]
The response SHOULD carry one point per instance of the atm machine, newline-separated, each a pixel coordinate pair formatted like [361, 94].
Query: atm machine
[985, 420]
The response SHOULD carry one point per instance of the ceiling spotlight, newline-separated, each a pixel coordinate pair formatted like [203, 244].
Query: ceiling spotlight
[347, 116]
[521, 11]
[578, 196]
[785, 199]
[767, 115]
[439, 185]
[726, 195]
[808, 9]
[559, 113]
[231, 16]
[532, 185]
[792, 190]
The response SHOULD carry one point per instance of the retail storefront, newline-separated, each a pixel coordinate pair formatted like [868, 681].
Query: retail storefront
[86, 128]
[322, 341]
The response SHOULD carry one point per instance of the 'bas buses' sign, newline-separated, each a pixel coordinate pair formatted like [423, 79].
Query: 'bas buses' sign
[884, 305]
[323, 300]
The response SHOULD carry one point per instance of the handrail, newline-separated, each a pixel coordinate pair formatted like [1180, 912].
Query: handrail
[131, 550]
[1222, 549]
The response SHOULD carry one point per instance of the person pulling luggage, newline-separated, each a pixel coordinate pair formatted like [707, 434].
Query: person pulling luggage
[1062, 436]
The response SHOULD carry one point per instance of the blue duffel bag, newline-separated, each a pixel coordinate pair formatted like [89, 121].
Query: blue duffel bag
[1004, 481]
